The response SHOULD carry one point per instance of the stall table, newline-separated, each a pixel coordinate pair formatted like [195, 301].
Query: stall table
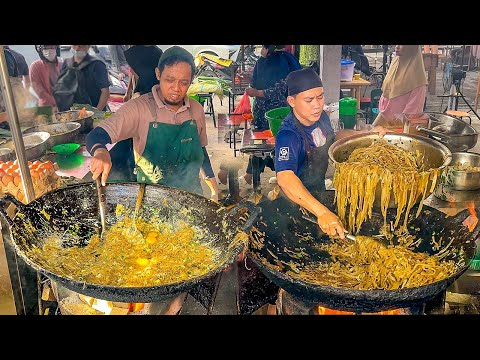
[356, 87]
[259, 148]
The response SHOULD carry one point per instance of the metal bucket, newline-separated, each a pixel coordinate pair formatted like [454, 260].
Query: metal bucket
[60, 133]
[455, 133]
[72, 115]
[35, 145]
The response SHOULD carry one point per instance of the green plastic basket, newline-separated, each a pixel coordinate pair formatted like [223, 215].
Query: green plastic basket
[65, 149]
[275, 118]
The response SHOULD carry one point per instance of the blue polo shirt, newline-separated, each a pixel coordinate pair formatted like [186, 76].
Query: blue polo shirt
[290, 151]
[96, 78]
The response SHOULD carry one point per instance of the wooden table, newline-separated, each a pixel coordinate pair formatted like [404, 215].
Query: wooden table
[355, 86]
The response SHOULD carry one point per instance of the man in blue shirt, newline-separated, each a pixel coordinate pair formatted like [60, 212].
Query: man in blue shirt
[301, 147]
[95, 76]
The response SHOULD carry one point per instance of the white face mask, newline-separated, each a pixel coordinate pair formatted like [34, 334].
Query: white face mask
[79, 54]
[50, 54]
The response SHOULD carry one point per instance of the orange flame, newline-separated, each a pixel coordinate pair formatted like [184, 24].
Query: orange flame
[326, 311]
[471, 221]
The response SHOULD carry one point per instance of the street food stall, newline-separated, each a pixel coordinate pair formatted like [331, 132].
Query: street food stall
[51, 233]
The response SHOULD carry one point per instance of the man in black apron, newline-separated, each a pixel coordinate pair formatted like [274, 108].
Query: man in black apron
[301, 150]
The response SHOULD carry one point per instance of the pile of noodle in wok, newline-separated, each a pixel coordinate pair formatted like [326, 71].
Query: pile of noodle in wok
[385, 166]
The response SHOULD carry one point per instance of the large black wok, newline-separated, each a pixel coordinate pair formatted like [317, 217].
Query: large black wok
[78, 205]
[283, 226]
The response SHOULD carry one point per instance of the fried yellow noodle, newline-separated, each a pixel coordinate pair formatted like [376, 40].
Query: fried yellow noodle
[366, 264]
[388, 167]
[156, 253]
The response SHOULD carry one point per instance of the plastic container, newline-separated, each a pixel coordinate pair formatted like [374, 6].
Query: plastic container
[346, 70]
[275, 118]
[65, 149]
[348, 112]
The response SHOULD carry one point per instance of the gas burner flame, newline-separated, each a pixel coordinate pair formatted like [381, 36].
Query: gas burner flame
[471, 221]
[326, 311]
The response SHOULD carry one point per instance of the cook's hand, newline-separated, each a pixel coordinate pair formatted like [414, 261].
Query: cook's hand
[380, 130]
[251, 92]
[100, 165]
[214, 197]
[121, 76]
[331, 224]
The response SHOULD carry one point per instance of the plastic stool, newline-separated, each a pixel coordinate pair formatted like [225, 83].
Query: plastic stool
[459, 114]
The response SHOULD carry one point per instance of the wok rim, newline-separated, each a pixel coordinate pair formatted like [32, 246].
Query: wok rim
[355, 293]
[470, 127]
[121, 291]
[447, 154]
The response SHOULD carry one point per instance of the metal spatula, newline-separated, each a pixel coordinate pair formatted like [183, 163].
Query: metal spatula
[102, 207]
[133, 228]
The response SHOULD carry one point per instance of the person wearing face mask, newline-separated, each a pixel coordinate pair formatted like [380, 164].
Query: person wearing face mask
[44, 74]
[93, 84]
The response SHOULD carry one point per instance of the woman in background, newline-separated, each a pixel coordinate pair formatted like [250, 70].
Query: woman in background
[405, 86]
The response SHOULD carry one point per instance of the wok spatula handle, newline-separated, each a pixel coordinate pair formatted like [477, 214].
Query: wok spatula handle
[348, 236]
[102, 205]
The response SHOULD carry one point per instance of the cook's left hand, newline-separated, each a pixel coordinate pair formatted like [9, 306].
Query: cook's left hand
[214, 197]
[380, 130]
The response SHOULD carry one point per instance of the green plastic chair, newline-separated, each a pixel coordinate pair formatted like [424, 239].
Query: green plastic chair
[375, 95]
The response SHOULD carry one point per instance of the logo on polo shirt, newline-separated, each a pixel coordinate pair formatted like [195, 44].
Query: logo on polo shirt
[284, 154]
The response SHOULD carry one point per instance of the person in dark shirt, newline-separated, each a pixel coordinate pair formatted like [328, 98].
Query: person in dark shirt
[143, 60]
[95, 74]
[12, 72]
[301, 148]
[22, 66]
[269, 88]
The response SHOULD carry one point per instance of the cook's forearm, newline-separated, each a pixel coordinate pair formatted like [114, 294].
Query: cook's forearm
[294, 189]
[97, 136]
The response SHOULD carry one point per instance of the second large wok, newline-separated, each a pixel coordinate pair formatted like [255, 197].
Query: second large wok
[284, 242]
[77, 206]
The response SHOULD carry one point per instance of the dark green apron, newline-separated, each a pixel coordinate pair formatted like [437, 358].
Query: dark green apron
[313, 175]
[173, 154]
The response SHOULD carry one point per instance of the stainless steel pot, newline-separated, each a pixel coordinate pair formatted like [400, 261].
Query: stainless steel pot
[72, 115]
[455, 133]
[60, 133]
[463, 179]
[436, 155]
[35, 145]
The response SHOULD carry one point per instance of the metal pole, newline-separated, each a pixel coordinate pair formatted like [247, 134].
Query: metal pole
[15, 129]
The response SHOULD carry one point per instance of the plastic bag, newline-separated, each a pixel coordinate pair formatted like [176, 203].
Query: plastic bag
[244, 106]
